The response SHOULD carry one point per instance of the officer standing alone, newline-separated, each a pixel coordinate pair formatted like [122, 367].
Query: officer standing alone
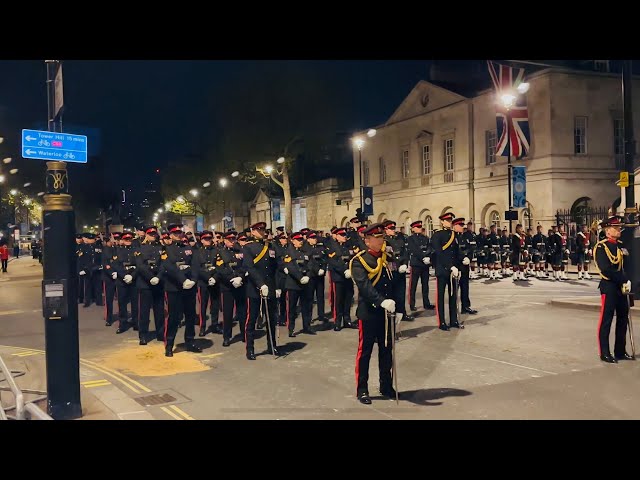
[447, 262]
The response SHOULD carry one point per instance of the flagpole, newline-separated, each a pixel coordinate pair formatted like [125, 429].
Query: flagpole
[509, 170]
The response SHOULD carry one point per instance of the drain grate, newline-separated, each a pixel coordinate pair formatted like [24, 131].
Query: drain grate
[156, 399]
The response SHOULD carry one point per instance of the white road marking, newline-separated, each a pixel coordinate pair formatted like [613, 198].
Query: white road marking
[508, 363]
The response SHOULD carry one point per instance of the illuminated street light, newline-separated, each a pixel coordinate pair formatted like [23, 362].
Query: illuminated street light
[159, 210]
[206, 184]
[40, 194]
[268, 169]
[85, 227]
[180, 199]
[371, 133]
[1, 178]
[27, 201]
[193, 192]
[280, 161]
[13, 171]
[7, 160]
[27, 184]
[359, 143]
[13, 191]
[235, 174]
[523, 88]
[223, 182]
[167, 205]
[508, 99]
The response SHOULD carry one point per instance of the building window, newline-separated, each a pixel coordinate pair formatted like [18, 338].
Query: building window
[491, 140]
[365, 173]
[429, 225]
[580, 135]
[426, 160]
[383, 170]
[448, 155]
[494, 219]
[405, 164]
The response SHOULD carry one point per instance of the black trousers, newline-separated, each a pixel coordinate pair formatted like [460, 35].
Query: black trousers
[464, 287]
[109, 290]
[422, 274]
[127, 294]
[400, 291]
[151, 298]
[282, 307]
[443, 282]
[343, 295]
[305, 296]
[96, 284]
[253, 310]
[179, 303]
[4, 264]
[84, 289]
[208, 296]
[373, 331]
[230, 300]
[318, 291]
[612, 301]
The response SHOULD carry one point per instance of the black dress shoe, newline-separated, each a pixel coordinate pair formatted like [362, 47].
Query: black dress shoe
[107, 324]
[430, 307]
[364, 398]
[469, 310]
[226, 342]
[389, 392]
[413, 309]
[292, 334]
[337, 328]
[121, 330]
[608, 359]
[216, 329]
[192, 347]
[308, 331]
[168, 352]
[408, 318]
[143, 341]
[454, 325]
[203, 332]
[251, 355]
[624, 356]
[444, 326]
[273, 351]
[160, 338]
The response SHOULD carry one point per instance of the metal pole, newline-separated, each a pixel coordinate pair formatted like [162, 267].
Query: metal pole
[360, 175]
[60, 314]
[509, 171]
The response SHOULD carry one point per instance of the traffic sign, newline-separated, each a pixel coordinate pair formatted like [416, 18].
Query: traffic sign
[64, 147]
[624, 179]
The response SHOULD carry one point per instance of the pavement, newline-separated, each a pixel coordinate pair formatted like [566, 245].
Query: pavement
[522, 357]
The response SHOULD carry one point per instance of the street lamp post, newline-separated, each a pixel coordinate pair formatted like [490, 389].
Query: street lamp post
[359, 144]
[223, 183]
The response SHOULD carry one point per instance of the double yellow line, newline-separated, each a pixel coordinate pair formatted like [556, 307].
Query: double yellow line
[136, 387]
[95, 383]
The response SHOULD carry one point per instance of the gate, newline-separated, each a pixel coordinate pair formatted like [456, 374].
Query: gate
[572, 219]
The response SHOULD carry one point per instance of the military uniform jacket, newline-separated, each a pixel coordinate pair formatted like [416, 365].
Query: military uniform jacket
[517, 243]
[108, 254]
[469, 244]
[229, 266]
[505, 243]
[540, 242]
[299, 264]
[124, 263]
[338, 259]
[359, 245]
[446, 251]
[483, 244]
[397, 252]
[582, 243]
[556, 245]
[259, 260]
[318, 255]
[89, 259]
[205, 258]
[371, 274]
[528, 243]
[419, 247]
[281, 251]
[177, 266]
[147, 259]
[609, 257]
[494, 242]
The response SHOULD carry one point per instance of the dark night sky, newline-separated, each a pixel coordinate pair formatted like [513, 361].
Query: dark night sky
[150, 112]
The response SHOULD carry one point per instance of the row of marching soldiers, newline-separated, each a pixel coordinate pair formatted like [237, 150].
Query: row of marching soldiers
[525, 254]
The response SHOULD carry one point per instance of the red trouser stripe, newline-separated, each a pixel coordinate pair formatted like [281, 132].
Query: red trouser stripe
[200, 306]
[437, 295]
[409, 293]
[333, 303]
[359, 354]
[603, 299]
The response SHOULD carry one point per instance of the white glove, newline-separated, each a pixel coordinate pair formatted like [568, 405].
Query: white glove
[236, 282]
[278, 293]
[624, 251]
[567, 251]
[426, 260]
[589, 252]
[127, 279]
[212, 281]
[286, 271]
[389, 305]
[187, 284]
[320, 272]
[183, 267]
[455, 271]
[304, 280]
[466, 261]
[154, 281]
[82, 272]
[114, 275]
[402, 269]
[264, 291]
[347, 274]
[626, 287]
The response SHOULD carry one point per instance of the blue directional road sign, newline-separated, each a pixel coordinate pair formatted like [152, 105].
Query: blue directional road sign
[64, 147]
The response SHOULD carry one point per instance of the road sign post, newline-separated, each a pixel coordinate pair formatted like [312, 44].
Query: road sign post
[63, 147]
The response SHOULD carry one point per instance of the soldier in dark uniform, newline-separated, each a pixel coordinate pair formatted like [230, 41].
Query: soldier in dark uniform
[419, 247]
[517, 253]
[90, 269]
[614, 286]
[557, 252]
[108, 283]
[297, 266]
[124, 271]
[494, 254]
[471, 240]
[375, 299]
[139, 238]
[398, 260]
[583, 253]
[281, 247]
[179, 273]
[259, 260]
[231, 275]
[539, 252]
[447, 262]
[483, 249]
[208, 288]
[319, 257]
[466, 252]
[528, 254]
[505, 254]
[148, 284]
[338, 260]
[358, 243]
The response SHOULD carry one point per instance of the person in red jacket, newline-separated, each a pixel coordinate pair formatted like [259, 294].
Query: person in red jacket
[4, 257]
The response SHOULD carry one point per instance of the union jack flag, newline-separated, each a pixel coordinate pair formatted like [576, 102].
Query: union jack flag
[506, 80]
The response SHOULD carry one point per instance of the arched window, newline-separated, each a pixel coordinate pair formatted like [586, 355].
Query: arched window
[494, 218]
[428, 225]
[579, 210]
